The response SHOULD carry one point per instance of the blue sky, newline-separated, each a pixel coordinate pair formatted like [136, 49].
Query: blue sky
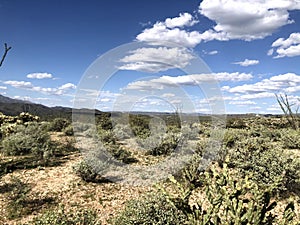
[251, 48]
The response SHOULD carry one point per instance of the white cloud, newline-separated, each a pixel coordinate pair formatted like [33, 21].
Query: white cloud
[19, 84]
[247, 62]
[3, 88]
[160, 33]
[242, 103]
[235, 19]
[67, 86]
[187, 80]
[246, 20]
[171, 31]
[289, 47]
[213, 52]
[156, 59]
[184, 19]
[256, 96]
[283, 82]
[168, 95]
[46, 90]
[39, 75]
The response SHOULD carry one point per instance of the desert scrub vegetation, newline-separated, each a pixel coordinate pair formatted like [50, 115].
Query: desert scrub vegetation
[29, 139]
[113, 146]
[25, 142]
[63, 217]
[20, 199]
[222, 197]
[152, 209]
[58, 124]
[263, 155]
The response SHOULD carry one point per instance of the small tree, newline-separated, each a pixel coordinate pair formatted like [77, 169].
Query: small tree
[6, 49]
[286, 107]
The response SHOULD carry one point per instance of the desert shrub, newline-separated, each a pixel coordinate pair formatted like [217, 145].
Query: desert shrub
[85, 171]
[190, 132]
[119, 153]
[122, 131]
[236, 123]
[104, 121]
[107, 136]
[63, 217]
[17, 198]
[268, 164]
[153, 209]
[58, 124]
[81, 127]
[112, 146]
[139, 125]
[161, 144]
[290, 138]
[29, 139]
[68, 131]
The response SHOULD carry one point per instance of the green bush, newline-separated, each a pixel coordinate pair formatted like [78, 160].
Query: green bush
[268, 164]
[122, 131]
[112, 146]
[140, 126]
[290, 138]
[81, 127]
[85, 171]
[69, 131]
[58, 124]
[166, 145]
[153, 209]
[62, 217]
[17, 198]
[104, 121]
[29, 139]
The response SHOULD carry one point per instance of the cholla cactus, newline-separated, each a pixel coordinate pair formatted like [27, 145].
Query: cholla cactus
[26, 117]
[227, 199]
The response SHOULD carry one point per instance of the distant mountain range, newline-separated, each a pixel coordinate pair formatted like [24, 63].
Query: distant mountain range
[13, 107]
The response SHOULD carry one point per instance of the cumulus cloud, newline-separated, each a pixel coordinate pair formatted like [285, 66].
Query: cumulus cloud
[156, 59]
[67, 86]
[289, 47]
[184, 19]
[3, 88]
[288, 82]
[247, 62]
[39, 75]
[172, 31]
[246, 20]
[235, 19]
[187, 80]
[160, 33]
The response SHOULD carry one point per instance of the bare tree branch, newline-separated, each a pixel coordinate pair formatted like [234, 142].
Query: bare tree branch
[286, 107]
[6, 49]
